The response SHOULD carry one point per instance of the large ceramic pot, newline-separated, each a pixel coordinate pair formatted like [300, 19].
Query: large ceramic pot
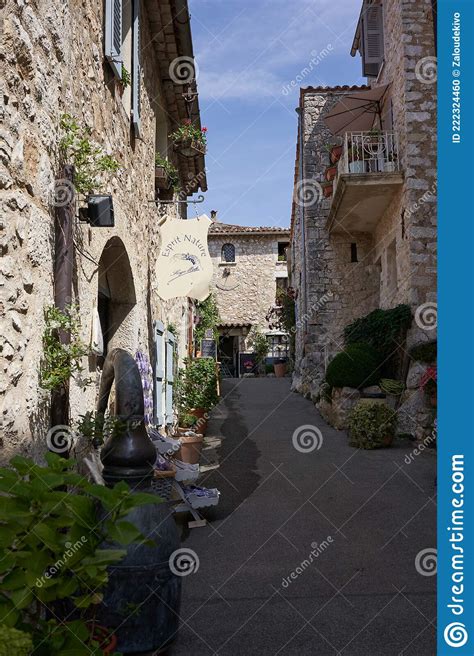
[201, 414]
[279, 367]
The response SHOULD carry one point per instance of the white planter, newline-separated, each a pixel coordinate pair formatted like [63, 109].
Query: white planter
[389, 167]
[357, 167]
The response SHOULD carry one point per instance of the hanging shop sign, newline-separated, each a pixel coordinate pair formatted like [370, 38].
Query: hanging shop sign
[184, 266]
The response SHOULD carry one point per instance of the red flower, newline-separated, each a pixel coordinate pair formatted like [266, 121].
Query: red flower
[431, 373]
[187, 121]
[203, 129]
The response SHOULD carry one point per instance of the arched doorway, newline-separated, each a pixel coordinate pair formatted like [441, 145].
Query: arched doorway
[115, 297]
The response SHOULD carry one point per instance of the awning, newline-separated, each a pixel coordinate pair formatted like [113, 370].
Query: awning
[356, 111]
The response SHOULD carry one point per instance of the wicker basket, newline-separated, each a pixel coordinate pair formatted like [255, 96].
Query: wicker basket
[162, 483]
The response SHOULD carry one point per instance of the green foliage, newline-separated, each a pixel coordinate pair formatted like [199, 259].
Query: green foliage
[126, 77]
[186, 420]
[170, 170]
[189, 131]
[370, 424]
[391, 386]
[426, 352]
[209, 319]
[96, 428]
[53, 547]
[89, 160]
[259, 343]
[357, 366]
[61, 361]
[382, 329]
[197, 384]
[14, 642]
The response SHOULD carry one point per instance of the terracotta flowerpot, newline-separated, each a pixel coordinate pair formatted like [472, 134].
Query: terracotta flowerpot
[279, 369]
[190, 450]
[336, 152]
[106, 639]
[327, 191]
[161, 178]
[331, 173]
[201, 425]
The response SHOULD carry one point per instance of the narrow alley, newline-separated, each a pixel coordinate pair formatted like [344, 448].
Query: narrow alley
[368, 517]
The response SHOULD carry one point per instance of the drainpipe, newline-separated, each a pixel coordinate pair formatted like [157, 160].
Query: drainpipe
[301, 210]
[63, 268]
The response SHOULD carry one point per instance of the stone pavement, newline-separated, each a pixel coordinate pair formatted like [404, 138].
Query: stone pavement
[365, 516]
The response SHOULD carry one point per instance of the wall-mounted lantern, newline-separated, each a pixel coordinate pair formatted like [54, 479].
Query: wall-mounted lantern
[99, 212]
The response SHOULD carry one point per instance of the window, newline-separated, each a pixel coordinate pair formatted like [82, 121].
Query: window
[371, 26]
[392, 266]
[228, 253]
[354, 253]
[282, 246]
[278, 346]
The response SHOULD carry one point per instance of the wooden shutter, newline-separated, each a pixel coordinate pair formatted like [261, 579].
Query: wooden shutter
[170, 347]
[372, 34]
[159, 375]
[136, 69]
[113, 35]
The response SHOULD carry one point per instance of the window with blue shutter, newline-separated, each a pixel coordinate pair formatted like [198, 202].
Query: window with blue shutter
[113, 35]
[136, 69]
[170, 347]
[159, 375]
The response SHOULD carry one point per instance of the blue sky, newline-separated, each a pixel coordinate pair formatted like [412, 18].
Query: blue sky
[247, 53]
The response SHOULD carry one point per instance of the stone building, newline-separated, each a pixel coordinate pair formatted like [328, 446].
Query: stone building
[363, 235]
[112, 66]
[250, 265]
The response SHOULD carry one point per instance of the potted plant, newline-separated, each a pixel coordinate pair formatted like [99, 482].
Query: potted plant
[335, 153]
[52, 587]
[189, 140]
[429, 385]
[356, 162]
[197, 389]
[259, 343]
[279, 367]
[330, 173]
[166, 174]
[327, 188]
[371, 425]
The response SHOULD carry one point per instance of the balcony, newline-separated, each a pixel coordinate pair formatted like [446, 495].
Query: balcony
[368, 178]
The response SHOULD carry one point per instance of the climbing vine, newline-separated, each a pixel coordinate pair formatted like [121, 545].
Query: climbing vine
[89, 160]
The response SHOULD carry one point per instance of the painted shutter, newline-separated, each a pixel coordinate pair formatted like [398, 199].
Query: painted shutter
[113, 35]
[372, 32]
[159, 375]
[136, 69]
[170, 346]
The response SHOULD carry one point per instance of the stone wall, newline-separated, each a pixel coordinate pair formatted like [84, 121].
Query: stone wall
[246, 295]
[332, 290]
[54, 64]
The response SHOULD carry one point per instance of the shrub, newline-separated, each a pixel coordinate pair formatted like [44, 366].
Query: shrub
[425, 352]
[382, 329]
[357, 366]
[371, 424]
[390, 386]
[197, 386]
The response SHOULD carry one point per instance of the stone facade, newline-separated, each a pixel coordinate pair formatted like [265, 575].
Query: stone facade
[396, 262]
[54, 64]
[246, 288]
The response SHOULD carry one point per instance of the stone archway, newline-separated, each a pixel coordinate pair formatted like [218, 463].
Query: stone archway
[116, 296]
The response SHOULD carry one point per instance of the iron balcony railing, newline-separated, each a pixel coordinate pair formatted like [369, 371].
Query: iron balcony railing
[369, 152]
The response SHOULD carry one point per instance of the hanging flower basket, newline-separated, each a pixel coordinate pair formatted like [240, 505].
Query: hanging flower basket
[189, 140]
